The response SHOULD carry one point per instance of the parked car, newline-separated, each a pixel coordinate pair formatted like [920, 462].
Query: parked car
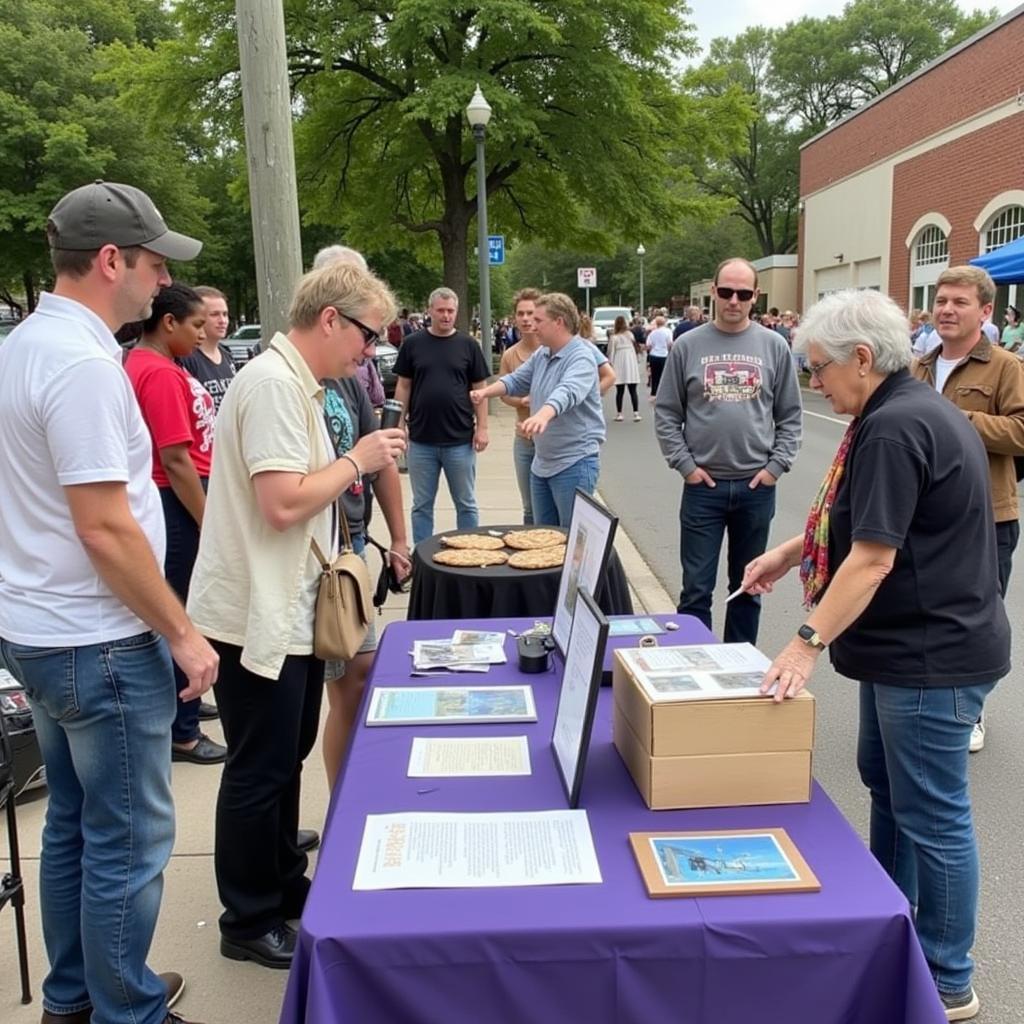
[244, 343]
[604, 321]
[387, 356]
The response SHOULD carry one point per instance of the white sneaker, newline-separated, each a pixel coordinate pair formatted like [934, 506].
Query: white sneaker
[962, 1007]
[637, 417]
[977, 736]
[618, 419]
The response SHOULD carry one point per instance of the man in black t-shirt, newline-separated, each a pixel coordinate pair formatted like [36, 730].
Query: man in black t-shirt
[436, 369]
[211, 363]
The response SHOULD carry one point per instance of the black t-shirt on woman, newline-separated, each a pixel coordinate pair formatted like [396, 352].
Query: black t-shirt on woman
[917, 480]
[442, 371]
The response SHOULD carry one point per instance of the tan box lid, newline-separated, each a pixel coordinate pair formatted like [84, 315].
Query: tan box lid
[721, 726]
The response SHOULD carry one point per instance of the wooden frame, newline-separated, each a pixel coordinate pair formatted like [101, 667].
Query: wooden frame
[721, 863]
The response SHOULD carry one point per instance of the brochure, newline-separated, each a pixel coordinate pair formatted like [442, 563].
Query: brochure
[639, 626]
[478, 636]
[462, 756]
[698, 671]
[423, 850]
[442, 705]
[446, 654]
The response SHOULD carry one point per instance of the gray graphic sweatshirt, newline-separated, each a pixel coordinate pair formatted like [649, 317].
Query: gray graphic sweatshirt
[729, 403]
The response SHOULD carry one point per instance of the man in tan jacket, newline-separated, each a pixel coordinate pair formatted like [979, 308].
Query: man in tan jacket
[987, 382]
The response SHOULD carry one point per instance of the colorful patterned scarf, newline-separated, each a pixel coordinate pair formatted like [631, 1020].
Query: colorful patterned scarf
[814, 571]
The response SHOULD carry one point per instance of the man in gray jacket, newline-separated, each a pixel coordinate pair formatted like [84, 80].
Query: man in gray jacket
[729, 419]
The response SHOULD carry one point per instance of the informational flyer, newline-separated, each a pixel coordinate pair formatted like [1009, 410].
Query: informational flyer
[640, 625]
[437, 757]
[447, 705]
[423, 850]
[698, 671]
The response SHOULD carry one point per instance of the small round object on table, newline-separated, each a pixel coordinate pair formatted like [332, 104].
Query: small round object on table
[480, 541]
[526, 540]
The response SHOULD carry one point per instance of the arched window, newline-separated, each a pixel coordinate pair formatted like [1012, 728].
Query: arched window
[929, 258]
[1006, 227]
[932, 247]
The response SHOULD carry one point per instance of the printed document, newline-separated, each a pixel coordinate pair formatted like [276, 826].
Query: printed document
[422, 850]
[469, 755]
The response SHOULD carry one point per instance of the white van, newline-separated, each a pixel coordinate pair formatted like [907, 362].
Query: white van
[604, 321]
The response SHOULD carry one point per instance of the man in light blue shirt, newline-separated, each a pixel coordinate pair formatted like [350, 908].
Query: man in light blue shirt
[566, 422]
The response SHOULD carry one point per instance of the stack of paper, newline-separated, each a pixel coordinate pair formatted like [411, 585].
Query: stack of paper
[466, 651]
[699, 671]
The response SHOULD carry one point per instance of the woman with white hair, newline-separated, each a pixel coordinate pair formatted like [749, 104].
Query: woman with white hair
[905, 596]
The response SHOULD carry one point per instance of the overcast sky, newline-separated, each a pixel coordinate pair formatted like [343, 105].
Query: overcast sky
[714, 18]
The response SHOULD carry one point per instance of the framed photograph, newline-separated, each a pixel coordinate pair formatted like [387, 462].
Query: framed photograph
[732, 862]
[588, 547]
[450, 705]
[577, 699]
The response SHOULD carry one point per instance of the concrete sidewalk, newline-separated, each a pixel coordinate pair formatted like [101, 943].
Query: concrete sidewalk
[220, 991]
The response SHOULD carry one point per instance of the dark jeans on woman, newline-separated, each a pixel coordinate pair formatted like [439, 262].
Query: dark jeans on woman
[705, 515]
[182, 548]
[270, 726]
[657, 365]
[619, 388]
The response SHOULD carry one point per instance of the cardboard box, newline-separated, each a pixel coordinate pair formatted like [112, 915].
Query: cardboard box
[734, 726]
[713, 780]
[713, 753]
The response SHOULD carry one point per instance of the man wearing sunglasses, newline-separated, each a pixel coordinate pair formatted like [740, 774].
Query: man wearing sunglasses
[728, 418]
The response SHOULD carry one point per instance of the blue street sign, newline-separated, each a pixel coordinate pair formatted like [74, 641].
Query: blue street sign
[496, 250]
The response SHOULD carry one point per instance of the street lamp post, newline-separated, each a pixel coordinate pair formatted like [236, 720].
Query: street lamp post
[640, 252]
[479, 113]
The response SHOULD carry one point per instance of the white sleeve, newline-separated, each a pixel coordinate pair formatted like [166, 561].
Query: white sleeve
[86, 411]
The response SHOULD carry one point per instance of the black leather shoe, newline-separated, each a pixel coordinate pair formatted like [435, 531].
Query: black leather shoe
[275, 949]
[174, 985]
[208, 712]
[308, 839]
[206, 751]
[81, 1017]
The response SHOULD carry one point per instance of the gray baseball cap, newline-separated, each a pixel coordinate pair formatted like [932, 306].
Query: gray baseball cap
[106, 213]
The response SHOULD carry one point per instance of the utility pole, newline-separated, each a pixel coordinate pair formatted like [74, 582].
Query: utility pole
[270, 155]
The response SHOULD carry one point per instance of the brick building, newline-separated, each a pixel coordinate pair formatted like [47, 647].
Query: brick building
[927, 175]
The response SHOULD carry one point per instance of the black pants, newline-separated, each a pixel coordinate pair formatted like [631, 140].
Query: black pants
[657, 365]
[182, 548]
[1007, 535]
[270, 727]
[619, 388]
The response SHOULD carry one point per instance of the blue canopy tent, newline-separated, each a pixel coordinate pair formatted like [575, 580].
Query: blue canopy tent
[1005, 264]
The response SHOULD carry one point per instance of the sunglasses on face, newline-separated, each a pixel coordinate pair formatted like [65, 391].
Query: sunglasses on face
[743, 294]
[370, 336]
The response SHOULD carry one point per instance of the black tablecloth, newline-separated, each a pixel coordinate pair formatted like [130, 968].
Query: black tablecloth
[447, 592]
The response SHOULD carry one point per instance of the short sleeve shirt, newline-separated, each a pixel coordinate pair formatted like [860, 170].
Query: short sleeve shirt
[349, 416]
[176, 407]
[917, 480]
[68, 416]
[215, 377]
[442, 370]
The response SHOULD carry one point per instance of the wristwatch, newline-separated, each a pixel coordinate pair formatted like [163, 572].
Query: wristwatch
[809, 635]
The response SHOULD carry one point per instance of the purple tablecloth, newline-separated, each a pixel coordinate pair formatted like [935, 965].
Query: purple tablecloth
[595, 953]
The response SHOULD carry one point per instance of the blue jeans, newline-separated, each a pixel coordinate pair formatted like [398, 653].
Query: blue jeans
[103, 718]
[425, 463]
[553, 496]
[912, 756]
[522, 457]
[705, 515]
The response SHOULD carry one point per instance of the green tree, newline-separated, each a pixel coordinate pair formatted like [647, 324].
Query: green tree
[585, 115]
[761, 176]
[61, 125]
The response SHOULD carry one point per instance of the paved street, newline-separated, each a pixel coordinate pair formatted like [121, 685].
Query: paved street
[644, 493]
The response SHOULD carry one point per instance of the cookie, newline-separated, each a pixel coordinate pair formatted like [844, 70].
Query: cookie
[525, 540]
[470, 558]
[538, 558]
[477, 541]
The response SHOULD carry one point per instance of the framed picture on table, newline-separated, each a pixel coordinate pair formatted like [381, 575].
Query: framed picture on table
[588, 548]
[577, 698]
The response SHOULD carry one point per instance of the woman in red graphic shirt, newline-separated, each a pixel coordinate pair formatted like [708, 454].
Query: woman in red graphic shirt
[179, 413]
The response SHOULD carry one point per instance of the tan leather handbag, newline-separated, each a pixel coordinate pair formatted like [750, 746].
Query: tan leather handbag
[344, 605]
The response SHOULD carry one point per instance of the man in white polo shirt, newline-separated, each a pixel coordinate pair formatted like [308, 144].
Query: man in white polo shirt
[87, 623]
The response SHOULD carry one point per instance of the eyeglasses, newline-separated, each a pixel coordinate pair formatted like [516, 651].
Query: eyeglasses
[815, 369]
[370, 336]
[743, 294]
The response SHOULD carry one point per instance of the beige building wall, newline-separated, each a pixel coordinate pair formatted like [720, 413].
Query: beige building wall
[846, 234]
[778, 285]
